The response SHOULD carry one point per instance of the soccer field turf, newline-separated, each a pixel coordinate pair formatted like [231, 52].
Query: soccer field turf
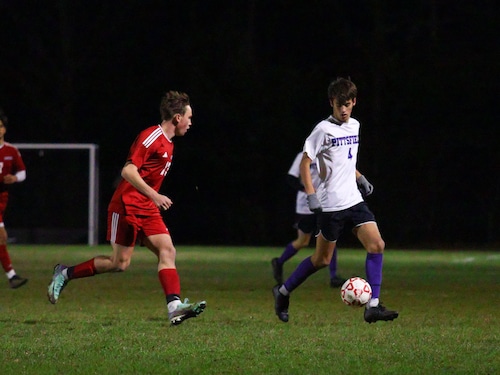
[117, 323]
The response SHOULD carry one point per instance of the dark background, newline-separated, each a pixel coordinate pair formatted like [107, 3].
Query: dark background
[257, 73]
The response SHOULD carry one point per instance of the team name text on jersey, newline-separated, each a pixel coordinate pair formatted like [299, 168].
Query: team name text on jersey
[343, 141]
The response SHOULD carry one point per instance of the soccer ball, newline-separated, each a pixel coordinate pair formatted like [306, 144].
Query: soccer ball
[356, 292]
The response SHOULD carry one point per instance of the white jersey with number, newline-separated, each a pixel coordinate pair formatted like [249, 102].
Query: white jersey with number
[334, 145]
[301, 206]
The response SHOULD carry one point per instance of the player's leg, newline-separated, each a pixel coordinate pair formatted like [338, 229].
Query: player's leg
[336, 281]
[305, 225]
[118, 261]
[321, 258]
[15, 281]
[369, 235]
[162, 246]
[122, 234]
[291, 249]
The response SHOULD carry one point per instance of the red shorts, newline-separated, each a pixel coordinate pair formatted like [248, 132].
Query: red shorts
[125, 230]
[4, 198]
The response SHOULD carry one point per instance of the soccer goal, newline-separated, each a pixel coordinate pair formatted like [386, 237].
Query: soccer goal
[59, 200]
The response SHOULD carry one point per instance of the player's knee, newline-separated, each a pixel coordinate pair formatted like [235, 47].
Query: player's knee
[168, 252]
[376, 247]
[121, 265]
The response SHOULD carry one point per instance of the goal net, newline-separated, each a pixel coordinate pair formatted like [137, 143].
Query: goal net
[58, 203]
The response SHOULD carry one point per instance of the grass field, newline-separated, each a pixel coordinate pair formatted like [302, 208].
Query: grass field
[116, 323]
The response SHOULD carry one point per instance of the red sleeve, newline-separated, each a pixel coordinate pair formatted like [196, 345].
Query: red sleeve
[139, 153]
[18, 162]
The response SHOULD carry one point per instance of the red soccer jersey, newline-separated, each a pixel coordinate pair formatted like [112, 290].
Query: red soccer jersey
[10, 162]
[152, 154]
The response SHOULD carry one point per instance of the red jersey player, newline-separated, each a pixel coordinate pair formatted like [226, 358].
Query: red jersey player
[134, 211]
[12, 170]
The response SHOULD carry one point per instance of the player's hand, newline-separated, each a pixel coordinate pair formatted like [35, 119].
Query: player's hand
[163, 202]
[364, 186]
[313, 203]
[9, 179]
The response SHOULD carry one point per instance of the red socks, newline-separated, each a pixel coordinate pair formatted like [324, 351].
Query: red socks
[84, 269]
[5, 259]
[169, 280]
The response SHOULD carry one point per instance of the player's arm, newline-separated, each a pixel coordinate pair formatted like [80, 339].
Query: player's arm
[18, 166]
[131, 174]
[12, 178]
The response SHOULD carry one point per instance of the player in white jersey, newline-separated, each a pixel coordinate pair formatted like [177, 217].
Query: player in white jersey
[305, 224]
[337, 201]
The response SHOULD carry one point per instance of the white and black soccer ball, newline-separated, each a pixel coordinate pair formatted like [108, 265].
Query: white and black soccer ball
[356, 292]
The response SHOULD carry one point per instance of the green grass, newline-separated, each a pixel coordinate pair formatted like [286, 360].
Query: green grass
[116, 323]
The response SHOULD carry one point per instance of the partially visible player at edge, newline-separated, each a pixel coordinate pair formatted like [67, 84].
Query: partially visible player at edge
[337, 200]
[12, 170]
[305, 224]
[134, 211]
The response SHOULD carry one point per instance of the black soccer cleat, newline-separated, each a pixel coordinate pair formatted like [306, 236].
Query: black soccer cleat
[277, 270]
[374, 314]
[337, 282]
[17, 281]
[281, 303]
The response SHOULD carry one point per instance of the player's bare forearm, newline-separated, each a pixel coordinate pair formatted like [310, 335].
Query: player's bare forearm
[9, 179]
[131, 174]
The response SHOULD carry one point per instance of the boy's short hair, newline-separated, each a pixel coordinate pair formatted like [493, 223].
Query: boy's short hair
[342, 89]
[172, 103]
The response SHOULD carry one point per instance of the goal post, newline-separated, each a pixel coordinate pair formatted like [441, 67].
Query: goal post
[93, 179]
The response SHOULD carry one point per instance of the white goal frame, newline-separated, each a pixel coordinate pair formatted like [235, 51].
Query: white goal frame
[93, 193]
